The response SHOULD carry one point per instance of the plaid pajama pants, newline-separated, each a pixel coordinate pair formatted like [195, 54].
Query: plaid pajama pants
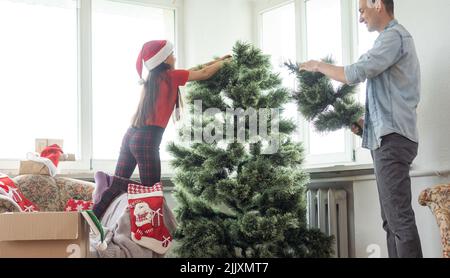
[140, 146]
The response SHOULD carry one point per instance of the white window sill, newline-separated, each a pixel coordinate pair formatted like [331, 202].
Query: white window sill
[167, 171]
[334, 168]
[338, 173]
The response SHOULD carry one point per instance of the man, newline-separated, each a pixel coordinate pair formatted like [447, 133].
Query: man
[392, 71]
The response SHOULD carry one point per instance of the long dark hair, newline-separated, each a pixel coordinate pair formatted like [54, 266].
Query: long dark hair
[149, 95]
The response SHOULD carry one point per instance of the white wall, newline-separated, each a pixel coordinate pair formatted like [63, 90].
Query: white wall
[429, 23]
[211, 28]
[368, 223]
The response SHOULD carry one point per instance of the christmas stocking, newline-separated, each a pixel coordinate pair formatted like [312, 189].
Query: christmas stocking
[146, 215]
[9, 189]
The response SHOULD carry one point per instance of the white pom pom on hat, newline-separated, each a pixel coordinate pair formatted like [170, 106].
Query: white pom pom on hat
[102, 246]
[153, 53]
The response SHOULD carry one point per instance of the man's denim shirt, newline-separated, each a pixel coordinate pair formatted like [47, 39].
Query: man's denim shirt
[392, 71]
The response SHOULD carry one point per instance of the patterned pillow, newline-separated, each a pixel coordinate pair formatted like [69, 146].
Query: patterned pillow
[78, 205]
[10, 190]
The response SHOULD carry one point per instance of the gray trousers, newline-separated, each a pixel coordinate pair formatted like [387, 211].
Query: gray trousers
[392, 162]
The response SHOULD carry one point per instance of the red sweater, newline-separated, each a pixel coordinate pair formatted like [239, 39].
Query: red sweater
[167, 99]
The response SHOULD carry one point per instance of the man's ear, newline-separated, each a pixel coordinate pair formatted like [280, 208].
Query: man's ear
[374, 4]
[378, 6]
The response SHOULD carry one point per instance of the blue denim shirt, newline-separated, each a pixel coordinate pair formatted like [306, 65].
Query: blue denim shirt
[392, 71]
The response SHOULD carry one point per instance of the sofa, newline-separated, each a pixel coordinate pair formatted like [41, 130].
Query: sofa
[437, 199]
[48, 193]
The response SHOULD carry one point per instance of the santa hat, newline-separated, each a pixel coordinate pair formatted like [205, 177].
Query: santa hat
[153, 53]
[49, 156]
[53, 153]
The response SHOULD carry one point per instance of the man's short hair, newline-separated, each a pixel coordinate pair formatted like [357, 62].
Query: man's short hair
[389, 4]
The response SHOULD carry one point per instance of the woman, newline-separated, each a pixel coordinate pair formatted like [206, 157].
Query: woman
[160, 95]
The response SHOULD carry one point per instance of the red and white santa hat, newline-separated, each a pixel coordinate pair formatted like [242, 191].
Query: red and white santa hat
[53, 153]
[49, 156]
[153, 53]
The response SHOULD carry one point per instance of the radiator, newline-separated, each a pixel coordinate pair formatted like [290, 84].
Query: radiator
[327, 211]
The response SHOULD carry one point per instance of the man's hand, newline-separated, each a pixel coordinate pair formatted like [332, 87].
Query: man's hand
[357, 130]
[331, 71]
[312, 66]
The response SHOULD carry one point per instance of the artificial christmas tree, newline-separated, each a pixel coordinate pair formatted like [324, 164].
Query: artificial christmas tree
[328, 108]
[242, 198]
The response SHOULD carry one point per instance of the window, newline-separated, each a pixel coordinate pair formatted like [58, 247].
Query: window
[51, 51]
[118, 32]
[38, 69]
[278, 40]
[324, 38]
[365, 41]
[322, 28]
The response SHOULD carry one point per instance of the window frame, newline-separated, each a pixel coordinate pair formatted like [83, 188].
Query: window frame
[354, 154]
[362, 155]
[11, 166]
[85, 163]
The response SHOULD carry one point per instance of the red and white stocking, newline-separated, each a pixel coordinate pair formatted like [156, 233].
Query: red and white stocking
[147, 221]
[9, 189]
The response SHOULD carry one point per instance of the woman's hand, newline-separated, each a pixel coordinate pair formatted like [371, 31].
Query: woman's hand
[209, 69]
[226, 58]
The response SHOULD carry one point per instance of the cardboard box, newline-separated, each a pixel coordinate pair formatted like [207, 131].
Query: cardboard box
[67, 157]
[29, 167]
[44, 235]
